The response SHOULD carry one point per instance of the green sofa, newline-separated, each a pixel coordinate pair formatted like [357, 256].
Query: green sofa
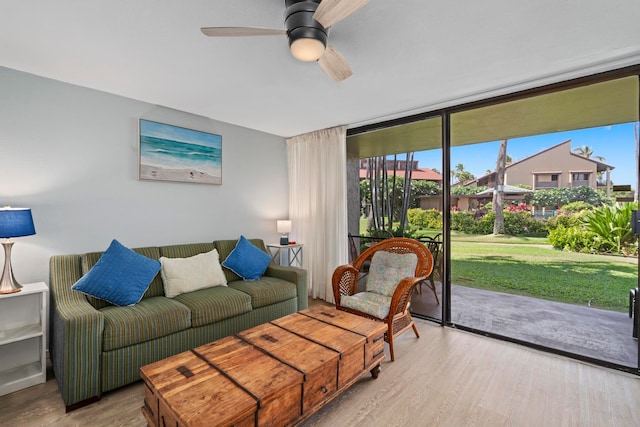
[96, 347]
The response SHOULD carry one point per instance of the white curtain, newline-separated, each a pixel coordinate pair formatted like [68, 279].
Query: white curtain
[318, 204]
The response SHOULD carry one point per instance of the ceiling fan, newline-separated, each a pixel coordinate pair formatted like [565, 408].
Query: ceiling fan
[307, 25]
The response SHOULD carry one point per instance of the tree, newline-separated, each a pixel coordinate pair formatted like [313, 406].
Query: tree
[586, 151]
[418, 188]
[557, 197]
[388, 193]
[498, 193]
[461, 174]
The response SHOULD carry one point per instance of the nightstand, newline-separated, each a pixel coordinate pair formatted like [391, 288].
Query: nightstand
[23, 337]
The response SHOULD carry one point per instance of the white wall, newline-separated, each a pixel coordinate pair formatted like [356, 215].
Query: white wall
[71, 154]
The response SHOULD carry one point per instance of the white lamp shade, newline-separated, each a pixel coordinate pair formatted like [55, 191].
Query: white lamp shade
[307, 49]
[284, 226]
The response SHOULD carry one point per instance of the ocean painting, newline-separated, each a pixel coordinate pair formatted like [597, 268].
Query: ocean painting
[171, 153]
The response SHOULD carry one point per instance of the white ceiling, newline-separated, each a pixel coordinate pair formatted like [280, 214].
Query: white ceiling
[407, 55]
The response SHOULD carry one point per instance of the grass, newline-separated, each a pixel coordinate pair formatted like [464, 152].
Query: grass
[542, 272]
[529, 266]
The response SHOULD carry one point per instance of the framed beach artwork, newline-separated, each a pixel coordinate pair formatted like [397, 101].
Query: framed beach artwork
[172, 153]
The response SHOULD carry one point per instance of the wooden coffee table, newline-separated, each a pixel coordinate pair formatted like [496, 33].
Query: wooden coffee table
[278, 373]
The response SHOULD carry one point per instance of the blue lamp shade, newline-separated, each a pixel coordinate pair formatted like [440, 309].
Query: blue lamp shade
[16, 222]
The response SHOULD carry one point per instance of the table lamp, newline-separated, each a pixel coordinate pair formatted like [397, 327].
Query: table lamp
[284, 228]
[14, 222]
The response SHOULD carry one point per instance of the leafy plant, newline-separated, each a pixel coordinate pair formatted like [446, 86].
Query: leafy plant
[578, 206]
[420, 218]
[612, 224]
[565, 219]
[515, 223]
[578, 239]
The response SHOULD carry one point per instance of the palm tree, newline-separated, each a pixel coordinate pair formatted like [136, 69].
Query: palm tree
[586, 151]
[498, 196]
[460, 174]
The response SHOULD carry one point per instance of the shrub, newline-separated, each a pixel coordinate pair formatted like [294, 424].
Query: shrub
[612, 224]
[518, 207]
[463, 221]
[577, 239]
[565, 219]
[574, 207]
[420, 218]
[521, 222]
[515, 223]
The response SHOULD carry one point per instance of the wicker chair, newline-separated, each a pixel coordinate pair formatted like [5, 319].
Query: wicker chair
[390, 308]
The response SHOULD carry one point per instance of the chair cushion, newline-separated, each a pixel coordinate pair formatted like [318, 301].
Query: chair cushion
[247, 260]
[376, 305]
[121, 276]
[213, 304]
[181, 275]
[388, 269]
[266, 291]
[151, 318]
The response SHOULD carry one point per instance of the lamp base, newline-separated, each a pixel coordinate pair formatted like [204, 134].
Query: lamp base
[8, 283]
[284, 240]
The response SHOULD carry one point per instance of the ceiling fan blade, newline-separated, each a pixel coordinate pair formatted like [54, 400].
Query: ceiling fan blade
[334, 65]
[240, 31]
[331, 11]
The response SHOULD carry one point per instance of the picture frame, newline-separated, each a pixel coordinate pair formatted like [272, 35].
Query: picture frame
[177, 154]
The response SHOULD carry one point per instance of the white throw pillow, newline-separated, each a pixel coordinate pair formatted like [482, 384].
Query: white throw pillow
[181, 275]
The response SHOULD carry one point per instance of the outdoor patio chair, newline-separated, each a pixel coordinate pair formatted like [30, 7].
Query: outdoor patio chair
[435, 246]
[397, 266]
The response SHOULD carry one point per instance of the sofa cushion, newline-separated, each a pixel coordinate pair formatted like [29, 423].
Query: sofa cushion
[121, 276]
[181, 275]
[214, 304]
[225, 247]
[151, 318]
[247, 260]
[155, 289]
[371, 303]
[266, 291]
[388, 269]
[186, 250]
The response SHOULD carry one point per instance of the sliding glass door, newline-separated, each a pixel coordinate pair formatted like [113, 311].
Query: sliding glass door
[541, 249]
[532, 219]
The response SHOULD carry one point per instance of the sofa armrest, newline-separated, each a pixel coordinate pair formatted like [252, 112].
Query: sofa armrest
[294, 275]
[76, 333]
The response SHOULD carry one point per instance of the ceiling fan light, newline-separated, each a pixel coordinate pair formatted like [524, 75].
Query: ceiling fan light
[307, 49]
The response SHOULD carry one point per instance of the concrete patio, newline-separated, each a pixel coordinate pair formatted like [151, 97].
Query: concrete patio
[586, 331]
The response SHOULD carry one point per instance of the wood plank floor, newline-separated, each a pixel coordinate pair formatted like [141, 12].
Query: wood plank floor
[446, 377]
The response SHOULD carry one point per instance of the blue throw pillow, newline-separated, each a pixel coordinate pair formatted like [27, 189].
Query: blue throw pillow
[247, 260]
[121, 276]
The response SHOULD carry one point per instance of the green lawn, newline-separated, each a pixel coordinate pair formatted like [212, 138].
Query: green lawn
[530, 266]
[542, 272]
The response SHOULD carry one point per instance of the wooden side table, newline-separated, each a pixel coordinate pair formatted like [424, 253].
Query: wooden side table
[23, 337]
[294, 254]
